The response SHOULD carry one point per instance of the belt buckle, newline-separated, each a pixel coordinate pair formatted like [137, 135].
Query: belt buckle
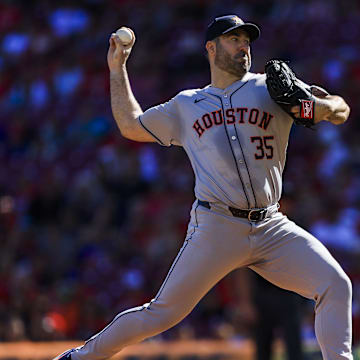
[261, 214]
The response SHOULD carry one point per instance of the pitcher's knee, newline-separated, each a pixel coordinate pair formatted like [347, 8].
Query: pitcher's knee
[166, 316]
[344, 286]
[339, 286]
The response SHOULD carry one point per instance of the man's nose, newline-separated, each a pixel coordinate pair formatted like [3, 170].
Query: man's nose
[244, 46]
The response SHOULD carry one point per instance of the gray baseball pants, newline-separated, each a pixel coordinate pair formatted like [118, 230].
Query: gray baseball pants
[217, 243]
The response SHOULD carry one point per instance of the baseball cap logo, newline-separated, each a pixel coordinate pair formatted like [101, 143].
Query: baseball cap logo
[236, 20]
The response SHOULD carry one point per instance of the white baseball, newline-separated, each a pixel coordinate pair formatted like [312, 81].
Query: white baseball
[125, 35]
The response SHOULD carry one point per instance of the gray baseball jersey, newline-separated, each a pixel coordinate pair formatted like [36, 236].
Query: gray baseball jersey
[235, 138]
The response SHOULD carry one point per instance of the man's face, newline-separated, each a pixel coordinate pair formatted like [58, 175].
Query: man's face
[233, 53]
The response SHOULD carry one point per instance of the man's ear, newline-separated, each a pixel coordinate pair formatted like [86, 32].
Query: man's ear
[210, 47]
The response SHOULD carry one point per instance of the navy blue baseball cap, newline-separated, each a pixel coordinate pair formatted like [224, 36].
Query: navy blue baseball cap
[224, 24]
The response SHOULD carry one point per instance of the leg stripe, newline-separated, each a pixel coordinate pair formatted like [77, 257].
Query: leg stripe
[172, 268]
[177, 258]
[138, 308]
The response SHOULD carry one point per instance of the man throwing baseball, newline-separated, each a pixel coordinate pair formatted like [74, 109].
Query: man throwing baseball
[236, 137]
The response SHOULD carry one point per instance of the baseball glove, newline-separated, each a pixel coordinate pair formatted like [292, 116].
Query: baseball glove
[288, 91]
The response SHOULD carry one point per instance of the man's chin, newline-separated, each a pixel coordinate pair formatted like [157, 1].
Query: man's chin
[235, 68]
[242, 60]
[239, 71]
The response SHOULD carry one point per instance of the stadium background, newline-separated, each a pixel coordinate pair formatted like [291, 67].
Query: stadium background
[90, 222]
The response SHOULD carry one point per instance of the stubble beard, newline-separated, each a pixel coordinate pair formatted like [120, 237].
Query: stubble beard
[232, 66]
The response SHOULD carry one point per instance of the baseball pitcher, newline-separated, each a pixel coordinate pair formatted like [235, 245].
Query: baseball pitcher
[235, 132]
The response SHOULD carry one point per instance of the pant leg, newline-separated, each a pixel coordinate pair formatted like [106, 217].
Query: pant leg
[293, 259]
[215, 245]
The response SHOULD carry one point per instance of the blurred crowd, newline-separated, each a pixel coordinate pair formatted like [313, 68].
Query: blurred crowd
[90, 222]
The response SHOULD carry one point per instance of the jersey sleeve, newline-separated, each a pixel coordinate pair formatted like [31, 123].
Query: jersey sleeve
[163, 123]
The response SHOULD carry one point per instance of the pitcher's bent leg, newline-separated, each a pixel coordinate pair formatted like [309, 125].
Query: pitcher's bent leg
[201, 263]
[301, 263]
[136, 324]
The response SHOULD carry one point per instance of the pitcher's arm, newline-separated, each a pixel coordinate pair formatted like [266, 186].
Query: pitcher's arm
[125, 107]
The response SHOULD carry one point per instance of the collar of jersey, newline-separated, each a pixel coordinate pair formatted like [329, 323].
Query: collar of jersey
[235, 85]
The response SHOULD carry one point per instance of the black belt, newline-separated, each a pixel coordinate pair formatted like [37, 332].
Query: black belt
[252, 214]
